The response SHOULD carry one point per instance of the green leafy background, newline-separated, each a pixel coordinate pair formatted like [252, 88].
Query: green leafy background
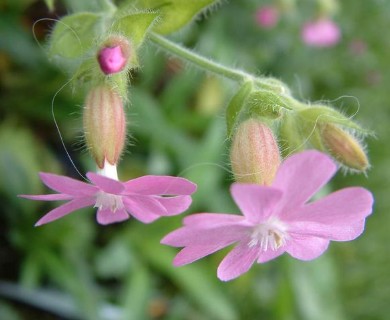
[76, 269]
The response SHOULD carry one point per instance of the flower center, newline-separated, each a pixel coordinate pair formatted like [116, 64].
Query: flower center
[269, 235]
[108, 201]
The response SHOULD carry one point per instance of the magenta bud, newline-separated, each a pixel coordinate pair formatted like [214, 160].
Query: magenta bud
[113, 56]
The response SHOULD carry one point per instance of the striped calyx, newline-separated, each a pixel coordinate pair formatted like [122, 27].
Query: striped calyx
[254, 154]
[104, 124]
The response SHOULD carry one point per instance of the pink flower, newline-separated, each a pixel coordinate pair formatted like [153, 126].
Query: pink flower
[321, 33]
[276, 219]
[267, 16]
[146, 198]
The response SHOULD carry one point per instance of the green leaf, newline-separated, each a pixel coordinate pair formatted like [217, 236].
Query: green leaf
[134, 26]
[236, 105]
[194, 281]
[175, 13]
[316, 288]
[73, 35]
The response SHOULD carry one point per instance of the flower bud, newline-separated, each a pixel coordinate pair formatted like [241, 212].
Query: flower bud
[344, 147]
[254, 155]
[104, 124]
[113, 56]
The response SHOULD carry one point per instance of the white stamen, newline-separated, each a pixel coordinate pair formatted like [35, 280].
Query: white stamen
[269, 235]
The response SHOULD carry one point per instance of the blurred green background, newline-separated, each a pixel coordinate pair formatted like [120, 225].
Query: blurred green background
[76, 269]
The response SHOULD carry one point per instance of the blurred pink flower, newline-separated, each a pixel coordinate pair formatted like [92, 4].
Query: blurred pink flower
[321, 33]
[267, 16]
[146, 198]
[276, 219]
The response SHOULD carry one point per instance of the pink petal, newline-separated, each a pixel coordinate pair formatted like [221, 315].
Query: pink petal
[306, 247]
[175, 205]
[106, 216]
[65, 209]
[187, 236]
[144, 208]
[106, 184]
[237, 262]
[255, 202]
[300, 176]
[338, 216]
[67, 185]
[160, 185]
[47, 197]
[192, 253]
[340, 232]
[340, 207]
[210, 220]
[270, 254]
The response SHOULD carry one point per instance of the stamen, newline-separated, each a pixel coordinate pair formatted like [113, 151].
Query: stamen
[269, 235]
[108, 201]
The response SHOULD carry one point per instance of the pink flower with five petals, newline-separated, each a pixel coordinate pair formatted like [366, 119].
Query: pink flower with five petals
[276, 219]
[146, 198]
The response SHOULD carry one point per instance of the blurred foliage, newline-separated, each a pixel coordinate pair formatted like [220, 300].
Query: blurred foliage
[77, 269]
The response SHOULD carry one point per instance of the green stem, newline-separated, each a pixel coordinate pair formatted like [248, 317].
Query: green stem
[199, 61]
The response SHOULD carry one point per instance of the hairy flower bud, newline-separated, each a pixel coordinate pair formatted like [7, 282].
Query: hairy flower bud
[114, 54]
[344, 147]
[104, 124]
[254, 155]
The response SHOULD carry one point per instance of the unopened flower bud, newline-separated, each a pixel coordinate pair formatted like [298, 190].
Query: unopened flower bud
[104, 124]
[344, 147]
[254, 155]
[113, 56]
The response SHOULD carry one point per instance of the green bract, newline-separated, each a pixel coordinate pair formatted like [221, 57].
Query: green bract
[134, 26]
[236, 106]
[174, 13]
[265, 104]
[324, 114]
[291, 136]
[73, 35]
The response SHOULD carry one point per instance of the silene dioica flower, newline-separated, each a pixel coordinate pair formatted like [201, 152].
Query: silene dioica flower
[323, 32]
[146, 198]
[276, 219]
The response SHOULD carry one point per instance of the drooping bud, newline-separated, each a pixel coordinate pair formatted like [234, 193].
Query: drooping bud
[104, 124]
[344, 147]
[254, 154]
[114, 54]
